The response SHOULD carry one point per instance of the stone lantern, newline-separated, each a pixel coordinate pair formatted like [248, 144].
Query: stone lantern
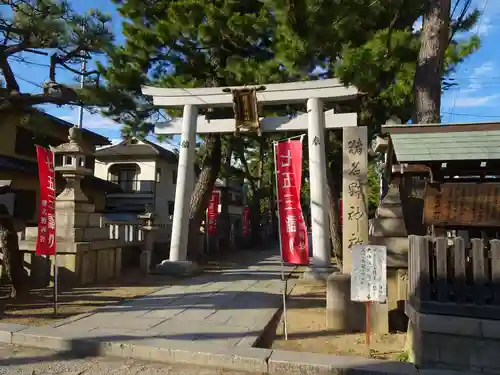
[70, 161]
[84, 247]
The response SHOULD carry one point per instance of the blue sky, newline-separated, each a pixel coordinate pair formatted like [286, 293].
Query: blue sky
[475, 98]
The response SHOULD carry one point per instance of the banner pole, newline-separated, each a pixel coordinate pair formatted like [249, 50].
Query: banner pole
[206, 232]
[55, 283]
[55, 246]
[301, 136]
[283, 279]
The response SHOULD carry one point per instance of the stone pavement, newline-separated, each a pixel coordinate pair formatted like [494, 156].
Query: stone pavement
[228, 307]
[33, 361]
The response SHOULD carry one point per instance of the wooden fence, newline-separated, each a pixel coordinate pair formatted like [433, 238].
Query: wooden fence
[452, 277]
[128, 232]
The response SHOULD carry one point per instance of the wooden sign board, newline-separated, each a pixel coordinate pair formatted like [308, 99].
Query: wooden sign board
[369, 273]
[245, 108]
[462, 204]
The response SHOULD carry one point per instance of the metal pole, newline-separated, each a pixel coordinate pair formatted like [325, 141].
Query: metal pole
[55, 283]
[82, 83]
[283, 279]
[206, 232]
[55, 259]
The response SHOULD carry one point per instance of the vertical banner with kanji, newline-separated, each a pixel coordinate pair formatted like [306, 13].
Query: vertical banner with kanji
[246, 221]
[213, 212]
[46, 241]
[293, 229]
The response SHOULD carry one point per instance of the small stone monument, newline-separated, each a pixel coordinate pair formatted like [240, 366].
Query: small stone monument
[148, 229]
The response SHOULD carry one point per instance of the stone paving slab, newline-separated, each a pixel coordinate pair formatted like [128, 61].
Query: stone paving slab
[252, 360]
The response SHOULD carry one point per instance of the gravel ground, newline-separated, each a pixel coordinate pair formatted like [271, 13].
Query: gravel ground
[27, 361]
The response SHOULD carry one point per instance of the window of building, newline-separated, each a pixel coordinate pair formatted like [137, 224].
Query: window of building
[170, 207]
[126, 175]
[158, 174]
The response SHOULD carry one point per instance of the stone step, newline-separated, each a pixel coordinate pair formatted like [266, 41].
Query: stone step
[389, 227]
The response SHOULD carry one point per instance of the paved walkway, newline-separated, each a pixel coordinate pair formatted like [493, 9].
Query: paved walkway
[227, 307]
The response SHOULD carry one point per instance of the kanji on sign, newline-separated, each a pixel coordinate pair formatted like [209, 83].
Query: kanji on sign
[291, 224]
[369, 273]
[46, 242]
[293, 230]
[287, 180]
[355, 146]
[285, 159]
[354, 189]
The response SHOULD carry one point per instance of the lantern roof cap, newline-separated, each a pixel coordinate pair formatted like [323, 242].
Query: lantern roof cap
[75, 144]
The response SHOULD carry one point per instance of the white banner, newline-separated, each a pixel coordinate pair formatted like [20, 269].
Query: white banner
[369, 273]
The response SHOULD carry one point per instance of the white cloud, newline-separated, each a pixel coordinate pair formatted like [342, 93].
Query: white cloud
[475, 101]
[417, 26]
[478, 75]
[484, 26]
[92, 121]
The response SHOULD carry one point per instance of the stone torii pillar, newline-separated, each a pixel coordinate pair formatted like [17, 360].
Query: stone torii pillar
[315, 121]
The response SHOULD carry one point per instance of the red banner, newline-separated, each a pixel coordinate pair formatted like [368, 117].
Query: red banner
[213, 212]
[246, 221]
[293, 229]
[46, 241]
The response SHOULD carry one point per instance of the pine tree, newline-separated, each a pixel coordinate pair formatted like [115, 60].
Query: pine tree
[195, 43]
[368, 44]
[53, 29]
[48, 28]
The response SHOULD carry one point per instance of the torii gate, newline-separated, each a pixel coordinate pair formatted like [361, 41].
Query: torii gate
[315, 121]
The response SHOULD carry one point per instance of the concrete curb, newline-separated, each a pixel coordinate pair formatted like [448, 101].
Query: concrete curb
[266, 361]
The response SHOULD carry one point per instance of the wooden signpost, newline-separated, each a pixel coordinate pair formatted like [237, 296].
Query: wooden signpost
[462, 204]
[369, 278]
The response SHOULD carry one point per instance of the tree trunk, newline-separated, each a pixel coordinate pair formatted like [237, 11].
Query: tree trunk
[427, 86]
[224, 222]
[255, 218]
[334, 216]
[433, 44]
[201, 195]
[334, 186]
[274, 206]
[12, 257]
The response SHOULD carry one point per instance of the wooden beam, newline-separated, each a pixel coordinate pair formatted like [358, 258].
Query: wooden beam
[279, 93]
[268, 124]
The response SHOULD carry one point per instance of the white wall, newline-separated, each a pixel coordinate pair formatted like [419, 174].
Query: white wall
[148, 168]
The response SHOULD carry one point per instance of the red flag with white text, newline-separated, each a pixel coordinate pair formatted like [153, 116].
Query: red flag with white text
[46, 241]
[293, 229]
[213, 212]
[246, 221]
